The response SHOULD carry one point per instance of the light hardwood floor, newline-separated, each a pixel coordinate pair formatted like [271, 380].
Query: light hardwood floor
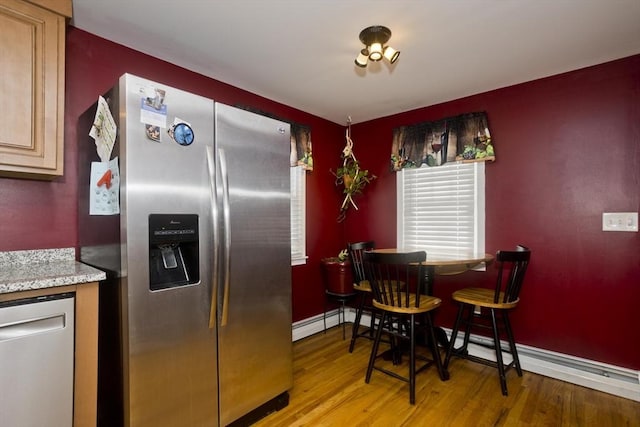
[329, 390]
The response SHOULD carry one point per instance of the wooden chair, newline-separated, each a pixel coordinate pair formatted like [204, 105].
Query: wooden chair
[397, 283]
[485, 306]
[363, 289]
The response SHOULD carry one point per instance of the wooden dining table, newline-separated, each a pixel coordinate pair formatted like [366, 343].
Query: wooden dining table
[444, 265]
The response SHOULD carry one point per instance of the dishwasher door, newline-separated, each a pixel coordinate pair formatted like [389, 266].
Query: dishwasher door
[36, 361]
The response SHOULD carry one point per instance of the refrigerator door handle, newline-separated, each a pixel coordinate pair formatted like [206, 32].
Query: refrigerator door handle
[214, 221]
[227, 235]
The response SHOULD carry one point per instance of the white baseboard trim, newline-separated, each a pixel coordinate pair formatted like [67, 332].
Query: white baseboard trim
[312, 325]
[596, 375]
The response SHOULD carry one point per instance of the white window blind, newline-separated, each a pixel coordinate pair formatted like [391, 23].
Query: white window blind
[441, 209]
[298, 232]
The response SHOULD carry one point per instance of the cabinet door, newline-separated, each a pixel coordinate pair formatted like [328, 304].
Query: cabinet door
[31, 90]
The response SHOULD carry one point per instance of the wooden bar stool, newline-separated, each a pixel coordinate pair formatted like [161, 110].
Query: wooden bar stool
[363, 291]
[485, 307]
[397, 281]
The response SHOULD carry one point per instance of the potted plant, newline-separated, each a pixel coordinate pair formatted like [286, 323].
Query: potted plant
[337, 275]
[351, 177]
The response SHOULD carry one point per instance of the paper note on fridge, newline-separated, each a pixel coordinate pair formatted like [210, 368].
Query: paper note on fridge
[153, 111]
[103, 130]
[104, 188]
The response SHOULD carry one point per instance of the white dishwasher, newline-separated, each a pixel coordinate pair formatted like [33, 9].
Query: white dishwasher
[36, 361]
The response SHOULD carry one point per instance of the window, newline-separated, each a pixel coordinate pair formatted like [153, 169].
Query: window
[298, 232]
[441, 209]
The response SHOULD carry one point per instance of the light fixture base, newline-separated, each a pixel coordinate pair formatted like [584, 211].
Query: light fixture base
[375, 33]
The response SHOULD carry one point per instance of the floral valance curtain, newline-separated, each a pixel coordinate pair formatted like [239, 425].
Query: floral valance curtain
[301, 152]
[463, 137]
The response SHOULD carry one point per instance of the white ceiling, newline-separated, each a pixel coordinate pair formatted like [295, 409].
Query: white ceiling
[301, 52]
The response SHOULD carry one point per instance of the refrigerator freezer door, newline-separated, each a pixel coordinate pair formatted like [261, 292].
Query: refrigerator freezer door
[169, 350]
[255, 350]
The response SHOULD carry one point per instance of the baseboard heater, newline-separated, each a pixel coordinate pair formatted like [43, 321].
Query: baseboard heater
[599, 376]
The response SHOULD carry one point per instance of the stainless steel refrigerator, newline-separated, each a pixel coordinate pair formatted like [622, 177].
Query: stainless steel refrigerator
[192, 226]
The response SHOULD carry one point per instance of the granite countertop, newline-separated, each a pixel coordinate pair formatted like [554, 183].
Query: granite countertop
[44, 268]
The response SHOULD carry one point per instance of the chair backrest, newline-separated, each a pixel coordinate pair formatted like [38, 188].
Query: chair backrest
[356, 251]
[512, 266]
[397, 279]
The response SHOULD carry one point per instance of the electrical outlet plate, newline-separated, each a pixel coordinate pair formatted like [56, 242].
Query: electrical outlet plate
[620, 221]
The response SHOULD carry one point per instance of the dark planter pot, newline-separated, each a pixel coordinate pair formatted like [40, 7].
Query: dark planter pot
[337, 275]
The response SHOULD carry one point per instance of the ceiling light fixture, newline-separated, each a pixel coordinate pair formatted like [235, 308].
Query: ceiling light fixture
[375, 38]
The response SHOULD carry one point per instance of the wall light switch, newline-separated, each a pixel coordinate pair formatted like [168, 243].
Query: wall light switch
[620, 221]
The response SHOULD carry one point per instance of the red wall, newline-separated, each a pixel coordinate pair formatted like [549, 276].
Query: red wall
[40, 215]
[568, 149]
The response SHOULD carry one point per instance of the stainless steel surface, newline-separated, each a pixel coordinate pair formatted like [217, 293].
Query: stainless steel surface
[226, 227]
[215, 255]
[255, 353]
[169, 350]
[36, 363]
[195, 353]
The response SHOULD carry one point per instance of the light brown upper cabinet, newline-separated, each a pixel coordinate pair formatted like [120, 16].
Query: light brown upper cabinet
[32, 44]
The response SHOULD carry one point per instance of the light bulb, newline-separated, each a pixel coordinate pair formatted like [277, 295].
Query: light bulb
[391, 54]
[375, 51]
[362, 59]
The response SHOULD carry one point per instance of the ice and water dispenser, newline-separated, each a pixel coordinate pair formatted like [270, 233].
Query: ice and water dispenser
[173, 251]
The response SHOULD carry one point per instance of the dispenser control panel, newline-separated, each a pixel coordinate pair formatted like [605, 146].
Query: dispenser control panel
[173, 251]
